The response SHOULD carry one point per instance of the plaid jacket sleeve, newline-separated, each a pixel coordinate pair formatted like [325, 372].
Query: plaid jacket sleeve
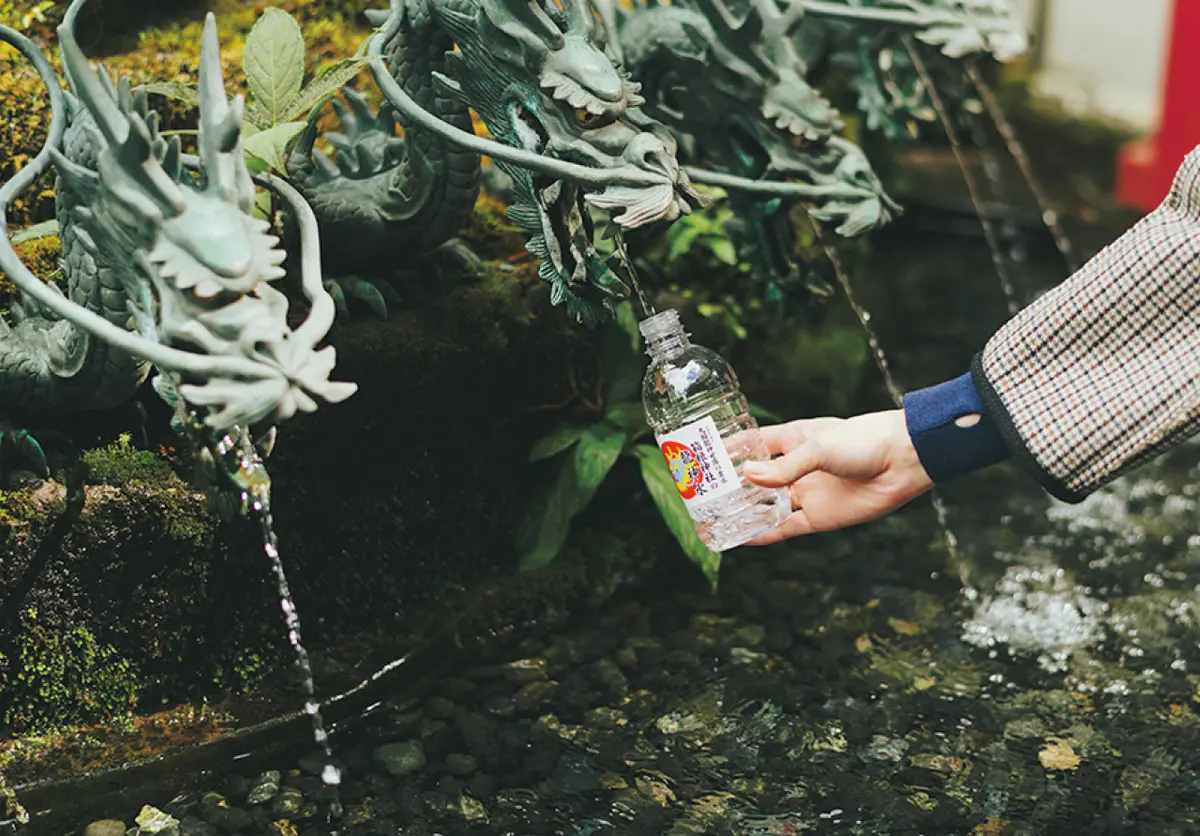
[1103, 372]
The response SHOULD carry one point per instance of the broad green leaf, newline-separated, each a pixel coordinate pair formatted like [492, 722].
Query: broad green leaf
[596, 453]
[263, 204]
[628, 415]
[543, 529]
[32, 233]
[273, 61]
[682, 240]
[271, 145]
[723, 249]
[185, 93]
[323, 87]
[560, 438]
[666, 496]
[254, 117]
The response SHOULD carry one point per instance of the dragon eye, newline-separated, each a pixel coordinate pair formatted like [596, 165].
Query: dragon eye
[586, 119]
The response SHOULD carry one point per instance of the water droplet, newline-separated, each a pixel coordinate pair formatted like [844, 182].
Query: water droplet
[331, 776]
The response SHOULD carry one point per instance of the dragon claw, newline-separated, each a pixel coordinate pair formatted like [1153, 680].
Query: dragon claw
[456, 257]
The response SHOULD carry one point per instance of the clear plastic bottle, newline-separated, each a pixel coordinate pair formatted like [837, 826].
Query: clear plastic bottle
[703, 427]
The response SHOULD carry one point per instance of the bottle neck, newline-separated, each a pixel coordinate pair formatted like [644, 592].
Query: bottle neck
[664, 334]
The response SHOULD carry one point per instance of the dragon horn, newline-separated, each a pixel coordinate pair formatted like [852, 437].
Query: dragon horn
[220, 134]
[579, 15]
[89, 90]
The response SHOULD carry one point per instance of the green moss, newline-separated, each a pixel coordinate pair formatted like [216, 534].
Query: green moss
[120, 463]
[17, 506]
[60, 677]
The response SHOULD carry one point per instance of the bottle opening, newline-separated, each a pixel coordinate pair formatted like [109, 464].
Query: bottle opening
[662, 326]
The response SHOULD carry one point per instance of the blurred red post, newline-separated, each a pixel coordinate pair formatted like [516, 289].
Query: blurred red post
[1146, 167]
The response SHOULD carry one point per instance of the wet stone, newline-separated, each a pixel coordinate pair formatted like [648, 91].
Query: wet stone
[440, 708]
[283, 827]
[481, 785]
[457, 688]
[265, 788]
[192, 826]
[105, 827]
[479, 735]
[289, 802]
[749, 635]
[626, 657]
[609, 676]
[605, 718]
[400, 759]
[500, 707]
[524, 671]
[230, 819]
[472, 810]
[152, 821]
[461, 764]
[531, 696]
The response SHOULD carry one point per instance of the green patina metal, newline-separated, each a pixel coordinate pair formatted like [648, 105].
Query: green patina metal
[166, 265]
[567, 125]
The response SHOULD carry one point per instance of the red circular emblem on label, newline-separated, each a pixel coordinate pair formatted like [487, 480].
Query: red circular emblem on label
[685, 468]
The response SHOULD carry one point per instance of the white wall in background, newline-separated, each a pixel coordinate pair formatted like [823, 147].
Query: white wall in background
[1105, 58]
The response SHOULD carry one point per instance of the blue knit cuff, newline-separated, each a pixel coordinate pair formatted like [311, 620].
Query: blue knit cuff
[946, 450]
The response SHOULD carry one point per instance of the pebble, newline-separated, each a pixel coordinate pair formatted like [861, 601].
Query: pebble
[105, 827]
[525, 671]
[750, 635]
[472, 810]
[230, 819]
[289, 802]
[610, 676]
[265, 788]
[400, 759]
[154, 822]
[531, 697]
[461, 764]
[440, 708]
[500, 707]
[626, 657]
[192, 826]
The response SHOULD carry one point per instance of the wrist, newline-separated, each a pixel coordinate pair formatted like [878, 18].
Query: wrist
[905, 461]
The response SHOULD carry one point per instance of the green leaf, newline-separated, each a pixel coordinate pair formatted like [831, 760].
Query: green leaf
[628, 415]
[562, 437]
[273, 61]
[271, 145]
[263, 204]
[598, 450]
[666, 496]
[723, 249]
[543, 529]
[32, 233]
[682, 240]
[318, 91]
[547, 522]
[186, 93]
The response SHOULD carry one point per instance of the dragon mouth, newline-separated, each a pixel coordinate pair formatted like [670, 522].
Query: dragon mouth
[630, 206]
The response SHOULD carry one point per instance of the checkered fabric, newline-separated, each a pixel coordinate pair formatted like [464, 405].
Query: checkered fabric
[1103, 372]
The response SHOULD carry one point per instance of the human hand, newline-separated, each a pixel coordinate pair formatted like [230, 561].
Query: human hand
[839, 471]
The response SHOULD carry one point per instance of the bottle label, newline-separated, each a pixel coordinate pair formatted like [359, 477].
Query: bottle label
[699, 462]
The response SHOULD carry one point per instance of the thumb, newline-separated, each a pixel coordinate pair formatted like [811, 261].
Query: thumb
[785, 470]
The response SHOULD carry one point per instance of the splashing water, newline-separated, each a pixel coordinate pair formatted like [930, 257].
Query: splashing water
[245, 469]
[989, 231]
[1049, 216]
[889, 379]
[623, 253]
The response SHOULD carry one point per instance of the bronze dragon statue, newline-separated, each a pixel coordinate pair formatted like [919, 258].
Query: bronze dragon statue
[731, 86]
[566, 125]
[166, 268]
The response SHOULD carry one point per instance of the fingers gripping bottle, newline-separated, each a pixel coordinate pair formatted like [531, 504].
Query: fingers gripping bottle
[703, 427]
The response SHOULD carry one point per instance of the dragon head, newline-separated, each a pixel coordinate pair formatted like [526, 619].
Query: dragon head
[199, 264]
[541, 79]
[735, 86]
